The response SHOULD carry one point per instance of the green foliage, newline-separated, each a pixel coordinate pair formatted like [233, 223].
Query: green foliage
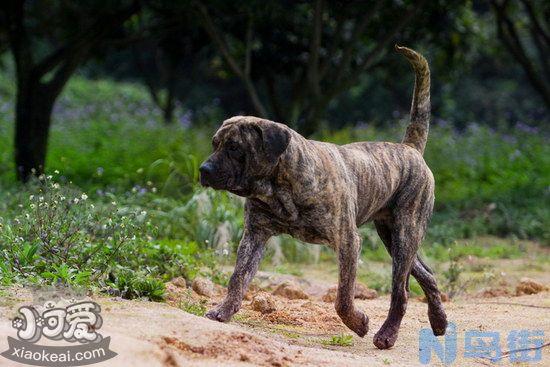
[192, 306]
[54, 233]
[487, 182]
[126, 213]
[380, 282]
[58, 234]
[453, 283]
[342, 340]
[135, 284]
[291, 269]
[498, 250]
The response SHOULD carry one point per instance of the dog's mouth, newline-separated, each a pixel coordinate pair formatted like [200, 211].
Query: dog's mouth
[218, 184]
[240, 192]
[225, 183]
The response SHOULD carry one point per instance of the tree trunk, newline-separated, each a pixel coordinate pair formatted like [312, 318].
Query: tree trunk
[169, 105]
[168, 113]
[312, 120]
[32, 123]
[309, 126]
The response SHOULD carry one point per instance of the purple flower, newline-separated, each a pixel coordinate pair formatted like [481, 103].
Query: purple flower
[521, 126]
[441, 122]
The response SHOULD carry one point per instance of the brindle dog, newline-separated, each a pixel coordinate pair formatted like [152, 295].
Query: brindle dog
[321, 193]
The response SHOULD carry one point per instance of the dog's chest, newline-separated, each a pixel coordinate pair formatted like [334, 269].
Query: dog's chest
[309, 223]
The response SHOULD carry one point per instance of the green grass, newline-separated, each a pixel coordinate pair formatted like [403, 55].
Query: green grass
[107, 142]
[197, 308]
[478, 248]
[342, 340]
[379, 281]
[291, 269]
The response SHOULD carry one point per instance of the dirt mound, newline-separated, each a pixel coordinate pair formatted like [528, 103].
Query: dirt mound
[290, 290]
[494, 292]
[310, 315]
[203, 287]
[264, 303]
[252, 290]
[361, 292]
[529, 286]
[174, 293]
[283, 317]
[235, 346]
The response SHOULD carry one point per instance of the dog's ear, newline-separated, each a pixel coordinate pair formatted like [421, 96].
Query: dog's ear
[275, 140]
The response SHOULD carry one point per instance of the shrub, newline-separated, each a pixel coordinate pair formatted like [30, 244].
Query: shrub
[341, 340]
[53, 233]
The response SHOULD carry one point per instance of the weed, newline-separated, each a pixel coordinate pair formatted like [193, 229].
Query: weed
[453, 284]
[197, 308]
[342, 340]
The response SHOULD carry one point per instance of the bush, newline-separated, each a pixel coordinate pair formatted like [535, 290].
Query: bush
[108, 142]
[54, 233]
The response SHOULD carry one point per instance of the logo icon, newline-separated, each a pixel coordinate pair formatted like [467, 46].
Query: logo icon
[59, 318]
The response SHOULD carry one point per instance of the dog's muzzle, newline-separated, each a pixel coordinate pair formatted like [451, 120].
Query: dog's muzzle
[206, 171]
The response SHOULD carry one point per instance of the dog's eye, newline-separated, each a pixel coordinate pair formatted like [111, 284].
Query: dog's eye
[232, 146]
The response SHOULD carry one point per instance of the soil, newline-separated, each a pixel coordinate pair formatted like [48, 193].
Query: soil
[298, 332]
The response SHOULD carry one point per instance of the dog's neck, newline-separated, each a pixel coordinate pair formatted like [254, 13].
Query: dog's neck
[278, 191]
[278, 199]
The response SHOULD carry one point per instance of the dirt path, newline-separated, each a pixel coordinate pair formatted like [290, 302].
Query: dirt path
[156, 334]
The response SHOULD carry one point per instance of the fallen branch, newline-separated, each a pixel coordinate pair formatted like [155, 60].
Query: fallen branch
[515, 304]
[507, 353]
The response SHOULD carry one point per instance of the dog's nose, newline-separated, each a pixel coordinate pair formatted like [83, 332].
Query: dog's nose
[205, 171]
[205, 168]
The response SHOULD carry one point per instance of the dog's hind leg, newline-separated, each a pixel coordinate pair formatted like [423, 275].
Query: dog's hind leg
[405, 240]
[348, 254]
[424, 275]
[436, 313]
[383, 228]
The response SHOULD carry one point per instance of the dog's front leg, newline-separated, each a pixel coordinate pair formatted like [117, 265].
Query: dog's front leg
[249, 255]
[348, 253]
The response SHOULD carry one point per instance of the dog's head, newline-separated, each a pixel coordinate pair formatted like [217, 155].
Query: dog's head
[246, 149]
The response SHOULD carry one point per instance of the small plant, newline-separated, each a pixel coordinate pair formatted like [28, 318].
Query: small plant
[453, 283]
[342, 340]
[289, 269]
[193, 307]
[58, 235]
[380, 282]
[131, 284]
[290, 334]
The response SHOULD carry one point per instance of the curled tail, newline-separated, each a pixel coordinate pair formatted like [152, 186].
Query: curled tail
[417, 131]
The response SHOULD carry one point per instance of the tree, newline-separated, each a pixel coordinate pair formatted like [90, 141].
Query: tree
[294, 58]
[168, 56]
[48, 41]
[512, 33]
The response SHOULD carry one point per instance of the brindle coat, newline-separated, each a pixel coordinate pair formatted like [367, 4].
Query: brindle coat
[321, 193]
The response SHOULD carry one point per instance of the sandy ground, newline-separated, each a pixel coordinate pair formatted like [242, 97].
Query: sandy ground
[161, 334]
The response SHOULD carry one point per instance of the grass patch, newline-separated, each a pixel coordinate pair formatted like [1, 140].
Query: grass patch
[145, 219]
[377, 281]
[342, 340]
[291, 269]
[489, 249]
[193, 307]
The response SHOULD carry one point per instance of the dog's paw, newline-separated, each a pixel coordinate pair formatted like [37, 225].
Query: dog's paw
[385, 338]
[362, 327]
[357, 321]
[221, 314]
[438, 321]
